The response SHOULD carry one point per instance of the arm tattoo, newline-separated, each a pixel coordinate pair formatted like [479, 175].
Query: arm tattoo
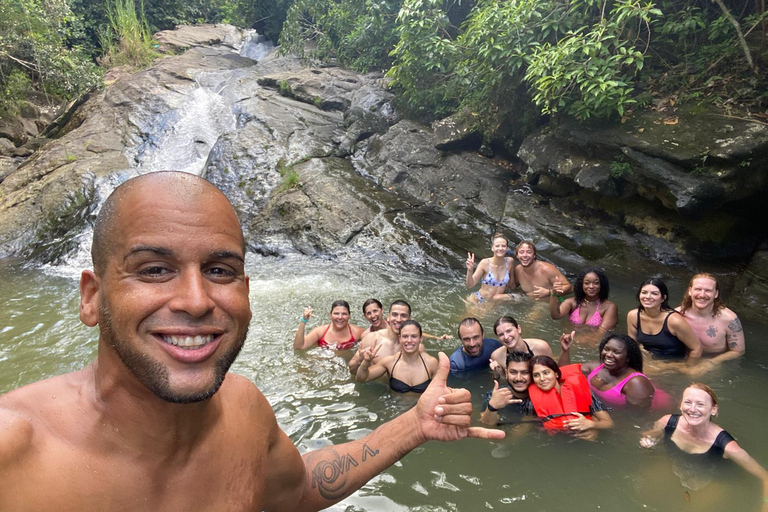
[368, 452]
[712, 331]
[328, 474]
[735, 325]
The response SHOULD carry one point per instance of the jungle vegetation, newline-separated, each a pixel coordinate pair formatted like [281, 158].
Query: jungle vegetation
[501, 61]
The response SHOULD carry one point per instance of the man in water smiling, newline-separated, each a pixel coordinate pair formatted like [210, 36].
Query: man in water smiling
[156, 422]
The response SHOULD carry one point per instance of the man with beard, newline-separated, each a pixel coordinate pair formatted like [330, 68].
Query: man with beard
[475, 351]
[537, 278]
[511, 404]
[156, 422]
[718, 328]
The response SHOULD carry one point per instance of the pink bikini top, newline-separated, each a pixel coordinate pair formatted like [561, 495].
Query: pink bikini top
[594, 321]
[611, 396]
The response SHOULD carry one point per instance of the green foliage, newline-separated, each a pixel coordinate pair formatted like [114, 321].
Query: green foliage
[358, 33]
[266, 16]
[620, 169]
[36, 51]
[290, 180]
[12, 94]
[128, 40]
[284, 88]
[424, 58]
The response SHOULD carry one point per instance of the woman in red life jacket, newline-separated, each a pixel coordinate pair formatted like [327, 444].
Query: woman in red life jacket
[559, 395]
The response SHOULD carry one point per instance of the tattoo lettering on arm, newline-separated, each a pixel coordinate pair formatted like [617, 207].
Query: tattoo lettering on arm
[368, 452]
[735, 325]
[712, 331]
[328, 476]
[732, 340]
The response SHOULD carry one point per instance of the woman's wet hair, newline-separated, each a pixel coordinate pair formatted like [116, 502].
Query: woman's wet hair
[504, 320]
[407, 323]
[687, 302]
[371, 301]
[340, 303]
[708, 390]
[578, 289]
[634, 354]
[548, 362]
[658, 283]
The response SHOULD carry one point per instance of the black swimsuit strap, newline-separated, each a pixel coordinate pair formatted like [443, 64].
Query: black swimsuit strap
[425, 366]
[392, 373]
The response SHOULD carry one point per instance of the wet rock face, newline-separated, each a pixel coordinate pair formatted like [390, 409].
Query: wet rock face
[679, 171]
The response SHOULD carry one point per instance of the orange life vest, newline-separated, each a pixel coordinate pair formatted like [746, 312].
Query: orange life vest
[556, 408]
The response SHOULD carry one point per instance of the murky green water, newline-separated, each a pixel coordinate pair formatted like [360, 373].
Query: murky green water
[317, 403]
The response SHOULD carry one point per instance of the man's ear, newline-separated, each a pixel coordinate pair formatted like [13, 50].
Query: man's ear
[90, 287]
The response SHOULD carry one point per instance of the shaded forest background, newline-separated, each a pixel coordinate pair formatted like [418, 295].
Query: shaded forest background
[503, 63]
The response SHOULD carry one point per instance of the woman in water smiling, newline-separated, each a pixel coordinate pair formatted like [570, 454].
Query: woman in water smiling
[589, 304]
[561, 397]
[617, 378]
[700, 441]
[414, 368]
[496, 272]
[673, 337]
[337, 335]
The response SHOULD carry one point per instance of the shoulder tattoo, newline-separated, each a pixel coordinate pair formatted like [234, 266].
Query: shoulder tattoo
[735, 325]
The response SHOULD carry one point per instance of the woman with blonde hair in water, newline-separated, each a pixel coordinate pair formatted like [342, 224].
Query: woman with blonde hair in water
[495, 273]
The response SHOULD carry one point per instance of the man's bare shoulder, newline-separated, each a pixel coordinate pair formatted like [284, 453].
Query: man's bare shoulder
[246, 396]
[370, 339]
[27, 412]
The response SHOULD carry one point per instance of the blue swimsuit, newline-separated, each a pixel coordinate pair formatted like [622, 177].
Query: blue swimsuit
[490, 279]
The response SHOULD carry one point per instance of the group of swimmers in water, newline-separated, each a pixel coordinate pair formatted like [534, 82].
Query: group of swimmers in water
[530, 386]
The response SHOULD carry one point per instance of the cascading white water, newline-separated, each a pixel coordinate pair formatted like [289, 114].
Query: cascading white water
[179, 139]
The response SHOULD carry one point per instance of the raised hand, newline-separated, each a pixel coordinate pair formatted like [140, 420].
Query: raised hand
[470, 262]
[502, 397]
[558, 286]
[566, 340]
[308, 312]
[369, 353]
[445, 414]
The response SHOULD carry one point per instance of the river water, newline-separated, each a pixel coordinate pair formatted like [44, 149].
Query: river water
[317, 403]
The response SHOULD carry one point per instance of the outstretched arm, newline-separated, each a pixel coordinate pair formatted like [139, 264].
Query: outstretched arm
[651, 437]
[333, 473]
[737, 454]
